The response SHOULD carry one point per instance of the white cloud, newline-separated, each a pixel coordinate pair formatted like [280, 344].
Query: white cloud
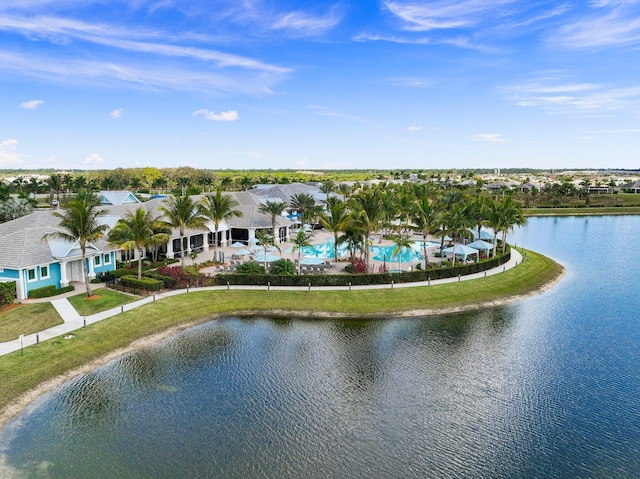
[303, 24]
[31, 104]
[94, 159]
[9, 156]
[230, 115]
[572, 97]
[116, 113]
[414, 128]
[489, 137]
[302, 163]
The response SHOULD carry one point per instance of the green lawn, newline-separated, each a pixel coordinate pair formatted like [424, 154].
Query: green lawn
[102, 299]
[54, 357]
[27, 319]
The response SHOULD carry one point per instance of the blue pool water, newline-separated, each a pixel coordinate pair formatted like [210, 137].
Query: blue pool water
[379, 253]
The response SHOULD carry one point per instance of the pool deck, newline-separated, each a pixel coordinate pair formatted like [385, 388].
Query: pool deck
[73, 321]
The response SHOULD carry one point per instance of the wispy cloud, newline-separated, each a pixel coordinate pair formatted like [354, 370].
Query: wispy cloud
[230, 115]
[556, 97]
[414, 128]
[489, 137]
[9, 156]
[116, 113]
[324, 111]
[31, 104]
[304, 24]
[611, 24]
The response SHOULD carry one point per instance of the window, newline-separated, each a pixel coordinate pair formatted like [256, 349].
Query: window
[44, 272]
[97, 260]
[107, 259]
[31, 275]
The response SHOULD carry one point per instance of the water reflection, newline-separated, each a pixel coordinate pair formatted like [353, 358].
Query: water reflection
[544, 388]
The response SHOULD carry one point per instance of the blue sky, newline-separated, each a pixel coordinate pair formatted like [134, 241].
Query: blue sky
[319, 85]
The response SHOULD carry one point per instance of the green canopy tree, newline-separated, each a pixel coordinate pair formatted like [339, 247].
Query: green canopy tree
[138, 231]
[79, 220]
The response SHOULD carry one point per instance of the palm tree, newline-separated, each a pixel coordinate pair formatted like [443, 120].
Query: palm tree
[402, 242]
[265, 239]
[345, 190]
[505, 214]
[219, 208]
[79, 222]
[182, 212]
[457, 221]
[302, 202]
[54, 182]
[425, 216]
[335, 220]
[273, 209]
[367, 213]
[300, 241]
[137, 231]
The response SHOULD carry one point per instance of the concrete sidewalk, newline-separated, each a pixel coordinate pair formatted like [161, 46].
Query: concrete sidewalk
[73, 321]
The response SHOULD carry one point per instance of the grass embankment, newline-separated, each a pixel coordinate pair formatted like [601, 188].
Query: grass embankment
[102, 299]
[56, 357]
[17, 319]
[586, 211]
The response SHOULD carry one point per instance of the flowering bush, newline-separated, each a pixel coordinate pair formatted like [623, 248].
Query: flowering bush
[358, 266]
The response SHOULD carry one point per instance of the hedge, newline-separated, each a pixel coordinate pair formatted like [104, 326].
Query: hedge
[7, 292]
[167, 281]
[48, 291]
[148, 284]
[360, 279]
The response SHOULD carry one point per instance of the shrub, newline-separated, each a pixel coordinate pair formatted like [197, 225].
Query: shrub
[282, 267]
[358, 266]
[48, 291]
[250, 267]
[145, 283]
[7, 292]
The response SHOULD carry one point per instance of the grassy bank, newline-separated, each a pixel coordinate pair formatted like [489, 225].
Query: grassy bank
[586, 211]
[17, 319]
[55, 357]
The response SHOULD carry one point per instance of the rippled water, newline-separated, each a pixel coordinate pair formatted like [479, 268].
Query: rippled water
[548, 387]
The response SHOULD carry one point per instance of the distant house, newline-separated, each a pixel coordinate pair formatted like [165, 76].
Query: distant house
[633, 187]
[285, 192]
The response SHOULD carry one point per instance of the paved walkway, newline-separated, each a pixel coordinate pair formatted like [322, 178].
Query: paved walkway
[73, 321]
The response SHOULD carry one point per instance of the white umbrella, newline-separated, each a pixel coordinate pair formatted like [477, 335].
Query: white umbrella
[242, 252]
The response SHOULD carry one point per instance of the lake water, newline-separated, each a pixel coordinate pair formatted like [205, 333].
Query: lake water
[546, 388]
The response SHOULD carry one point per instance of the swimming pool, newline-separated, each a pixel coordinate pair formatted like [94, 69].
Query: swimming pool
[379, 253]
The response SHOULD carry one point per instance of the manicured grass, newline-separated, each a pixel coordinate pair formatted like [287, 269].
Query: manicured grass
[591, 211]
[54, 357]
[102, 299]
[26, 319]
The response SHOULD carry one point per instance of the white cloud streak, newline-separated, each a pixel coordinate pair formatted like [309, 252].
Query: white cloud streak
[93, 159]
[116, 113]
[230, 115]
[31, 104]
[489, 137]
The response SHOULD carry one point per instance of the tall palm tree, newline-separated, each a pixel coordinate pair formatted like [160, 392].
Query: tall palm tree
[182, 212]
[505, 214]
[457, 221]
[219, 208]
[302, 202]
[137, 231]
[265, 239]
[425, 217]
[367, 214]
[335, 220]
[79, 220]
[273, 209]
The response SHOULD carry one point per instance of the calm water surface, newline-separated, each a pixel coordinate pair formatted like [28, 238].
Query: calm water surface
[548, 387]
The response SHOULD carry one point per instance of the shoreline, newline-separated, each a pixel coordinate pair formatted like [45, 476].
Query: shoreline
[12, 410]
